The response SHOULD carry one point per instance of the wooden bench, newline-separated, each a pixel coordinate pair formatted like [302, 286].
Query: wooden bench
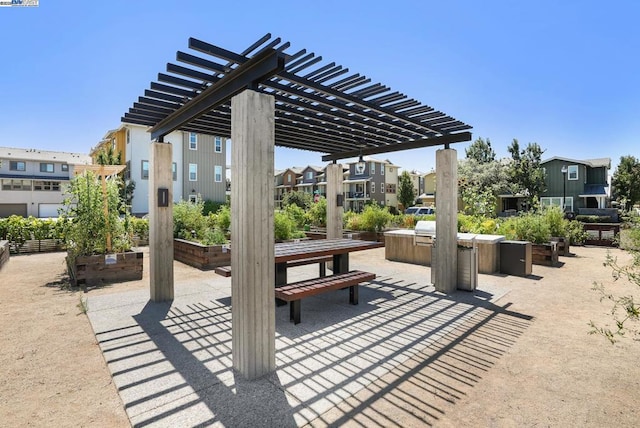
[226, 270]
[296, 291]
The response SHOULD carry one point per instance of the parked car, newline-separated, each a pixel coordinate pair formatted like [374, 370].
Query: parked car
[420, 210]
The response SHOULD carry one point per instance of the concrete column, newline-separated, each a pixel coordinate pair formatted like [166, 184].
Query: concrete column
[161, 223]
[334, 179]
[446, 249]
[252, 234]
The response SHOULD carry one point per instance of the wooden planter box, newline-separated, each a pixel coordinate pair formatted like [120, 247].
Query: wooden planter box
[106, 268]
[602, 234]
[545, 254]
[200, 256]
[563, 245]
[4, 253]
[371, 236]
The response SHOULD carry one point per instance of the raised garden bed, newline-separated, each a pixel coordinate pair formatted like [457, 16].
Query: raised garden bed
[105, 268]
[4, 253]
[200, 256]
[563, 245]
[602, 234]
[545, 254]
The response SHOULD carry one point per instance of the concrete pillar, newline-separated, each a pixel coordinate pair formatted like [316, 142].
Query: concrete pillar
[334, 179]
[252, 234]
[161, 223]
[446, 261]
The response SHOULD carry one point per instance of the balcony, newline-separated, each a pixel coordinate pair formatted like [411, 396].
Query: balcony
[356, 195]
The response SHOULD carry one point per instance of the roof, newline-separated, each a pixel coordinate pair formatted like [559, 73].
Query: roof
[320, 108]
[44, 155]
[593, 163]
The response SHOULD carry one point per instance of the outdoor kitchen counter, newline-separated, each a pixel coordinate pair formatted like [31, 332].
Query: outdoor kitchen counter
[400, 247]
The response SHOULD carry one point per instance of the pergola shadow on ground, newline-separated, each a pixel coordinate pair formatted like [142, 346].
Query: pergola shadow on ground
[406, 348]
[262, 97]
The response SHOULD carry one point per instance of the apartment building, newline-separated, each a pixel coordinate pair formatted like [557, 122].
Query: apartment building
[366, 182]
[33, 181]
[199, 164]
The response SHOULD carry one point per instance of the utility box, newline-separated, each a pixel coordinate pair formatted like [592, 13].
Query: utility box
[468, 267]
[516, 258]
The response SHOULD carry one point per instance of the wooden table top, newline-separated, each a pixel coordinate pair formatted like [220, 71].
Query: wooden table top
[287, 251]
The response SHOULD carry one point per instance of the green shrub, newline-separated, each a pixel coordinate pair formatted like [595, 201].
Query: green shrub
[210, 206]
[140, 227]
[574, 231]
[224, 217]
[375, 218]
[554, 217]
[285, 227]
[347, 219]
[526, 227]
[318, 213]
[477, 224]
[188, 220]
[298, 215]
[594, 218]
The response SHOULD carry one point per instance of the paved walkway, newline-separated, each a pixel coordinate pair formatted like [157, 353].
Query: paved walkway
[172, 363]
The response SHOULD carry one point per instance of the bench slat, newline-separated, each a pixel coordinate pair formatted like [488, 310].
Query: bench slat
[312, 287]
[226, 270]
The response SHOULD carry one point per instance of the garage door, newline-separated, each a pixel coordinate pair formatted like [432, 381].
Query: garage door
[13, 209]
[48, 210]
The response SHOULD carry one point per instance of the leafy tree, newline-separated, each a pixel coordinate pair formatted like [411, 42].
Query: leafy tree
[301, 199]
[481, 183]
[481, 151]
[525, 172]
[108, 156]
[406, 192]
[625, 182]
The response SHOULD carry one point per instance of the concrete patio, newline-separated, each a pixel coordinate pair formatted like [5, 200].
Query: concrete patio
[172, 363]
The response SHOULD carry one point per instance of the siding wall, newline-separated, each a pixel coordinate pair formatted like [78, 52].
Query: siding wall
[206, 158]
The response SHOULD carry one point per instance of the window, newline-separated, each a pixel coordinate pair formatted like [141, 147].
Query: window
[64, 167]
[193, 172]
[572, 172]
[53, 186]
[556, 201]
[382, 170]
[128, 136]
[373, 187]
[217, 174]
[174, 171]
[373, 168]
[218, 144]
[127, 171]
[145, 169]
[193, 141]
[309, 175]
[17, 166]
[289, 178]
[193, 198]
[46, 167]
[359, 168]
[391, 188]
[16, 184]
[381, 187]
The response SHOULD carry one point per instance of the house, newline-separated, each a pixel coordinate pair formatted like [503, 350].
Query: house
[391, 185]
[427, 195]
[309, 178]
[365, 183]
[582, 183]
[199, 164]
[33, 181]
[286, 181]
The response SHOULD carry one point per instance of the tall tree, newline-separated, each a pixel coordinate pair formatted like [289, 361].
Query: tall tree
[406, 192]
[481, 151]
[481, 183]
[626, 182]
[525, 172]
[108, 156]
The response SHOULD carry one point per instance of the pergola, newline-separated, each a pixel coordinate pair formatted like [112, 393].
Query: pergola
[266, 96]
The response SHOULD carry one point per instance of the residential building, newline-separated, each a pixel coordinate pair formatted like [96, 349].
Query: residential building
[583, 184]
[309, 178]
[33, 181]
[286, 181]
[427, 195]
[390, 185]
[199, 164]
[366, 183]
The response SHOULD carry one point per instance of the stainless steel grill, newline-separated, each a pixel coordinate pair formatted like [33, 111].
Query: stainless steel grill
[425, 233]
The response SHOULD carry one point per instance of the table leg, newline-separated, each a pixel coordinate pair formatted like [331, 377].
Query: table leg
[281, 279]
[341, 263]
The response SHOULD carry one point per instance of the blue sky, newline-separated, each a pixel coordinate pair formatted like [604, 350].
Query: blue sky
[564, 74]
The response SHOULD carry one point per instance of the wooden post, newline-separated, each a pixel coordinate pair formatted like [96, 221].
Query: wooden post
[252, 234]
[160, 224]
[334, 192]
[446, 249]
[105, 205]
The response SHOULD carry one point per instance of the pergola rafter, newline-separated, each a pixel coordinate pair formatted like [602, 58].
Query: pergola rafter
[317, 107]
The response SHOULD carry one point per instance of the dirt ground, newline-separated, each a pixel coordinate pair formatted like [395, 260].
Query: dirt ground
[553, 373]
